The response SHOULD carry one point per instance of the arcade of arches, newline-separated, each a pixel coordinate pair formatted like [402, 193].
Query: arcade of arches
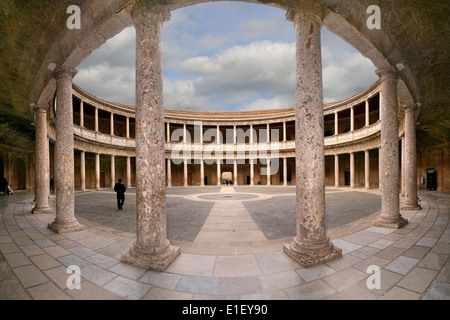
[366, 141]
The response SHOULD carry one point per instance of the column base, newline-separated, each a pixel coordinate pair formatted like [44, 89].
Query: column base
[65, 227]
[390, 223]
[308, 257]
[414, 206]
[151, 259]
[45, 210]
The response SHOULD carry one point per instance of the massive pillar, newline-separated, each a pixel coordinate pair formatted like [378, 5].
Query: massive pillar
[410, 156]
[65, 220]
[311, 245]
[128, 172]
[151, 249]
[42, 161]
[389, 161]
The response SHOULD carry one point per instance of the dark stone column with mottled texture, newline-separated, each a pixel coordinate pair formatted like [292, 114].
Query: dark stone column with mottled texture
[65, 220]
[42, 161]
[311, 245]
[152, 249]
[410, 159]
[389, 154]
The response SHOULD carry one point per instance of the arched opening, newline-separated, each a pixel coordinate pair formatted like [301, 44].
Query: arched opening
[19, 179]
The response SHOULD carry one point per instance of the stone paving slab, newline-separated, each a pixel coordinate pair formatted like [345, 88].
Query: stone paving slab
[413, 261]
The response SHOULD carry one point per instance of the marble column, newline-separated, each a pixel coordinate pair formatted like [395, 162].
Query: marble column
[367, 169]
[402, 166]
[113, 171]
[311, 245]
[410, 157]
[42, 161]
[367, 113]
[389, 160]
[96, 120]
[111, 130]
[81, 113]
[285, 171]
[169, 172]
[97, 171]
[128, 172]
[202, 172]
[268, 172]
[252, 172]
[352, 169]
[235, 172]
[268, 133]
[83, 171]
[65, 220]
[128, 127]
[284, 131]
[336, 124]
[168, 132]
[336, 170]
[151, 249]
[352, 119]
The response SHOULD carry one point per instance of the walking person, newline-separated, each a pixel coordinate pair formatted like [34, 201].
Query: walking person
[120, 189]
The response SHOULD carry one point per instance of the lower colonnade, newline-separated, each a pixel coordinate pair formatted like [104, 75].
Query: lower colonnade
[317, 133]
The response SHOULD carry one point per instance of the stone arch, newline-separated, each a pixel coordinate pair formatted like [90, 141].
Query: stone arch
[344, 19]
[19, 174]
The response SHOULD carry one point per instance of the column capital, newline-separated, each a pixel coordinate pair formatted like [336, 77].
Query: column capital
[387, 73]
[410, 107]
[64, 71]
[140, 10]
[307, 9]
[43, 107]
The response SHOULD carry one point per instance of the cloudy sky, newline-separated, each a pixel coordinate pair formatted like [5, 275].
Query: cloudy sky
[225, 56]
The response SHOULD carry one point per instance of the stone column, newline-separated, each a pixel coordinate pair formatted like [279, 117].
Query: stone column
[96, 119]
[367, 113]
[389, 161]
[202, 172]
[336, 170]
[410, 160]
[219, 182]
[268, 133]
[336, 123]
[169, 172]
[284, 131]
[352, 119]
[352, 170]
[152, 249]
[42, 161]
[112, 124]
[268, 172]
[128, 127]
[81, 113]
[65, 220]
[367, 169]
[311, 245]
[128, 172]
[251, 133]
[113, 171]
[83, 171]
[168, 132]
[235, 172]
[97, 171]
[285, 171]
[218, 135]
[185, 172]
[402, 166]
[252, 173]
[234, 135]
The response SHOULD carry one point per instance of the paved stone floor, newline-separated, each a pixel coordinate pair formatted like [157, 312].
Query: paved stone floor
[231, 240]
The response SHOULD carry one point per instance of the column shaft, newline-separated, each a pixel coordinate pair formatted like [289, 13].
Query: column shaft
[65, 220]
[113, 171]
[81, 113]
[285, 171]
[410, 160]
[389, 160]
[83, 171]
[185, 172]
[97, 171]
[268, 172]
[42, 161]
[336, 123]
[336, 170]
[367, 169]
[152, 249]
[96, 119]
[235, 174]
[367, 113]
[402, 166]
[202, 172]
[219, 178]
[252, 172]
[112, 124]
[311, 244]
[128, 172]
[352, 170]
[128, 127]
[284, 131]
